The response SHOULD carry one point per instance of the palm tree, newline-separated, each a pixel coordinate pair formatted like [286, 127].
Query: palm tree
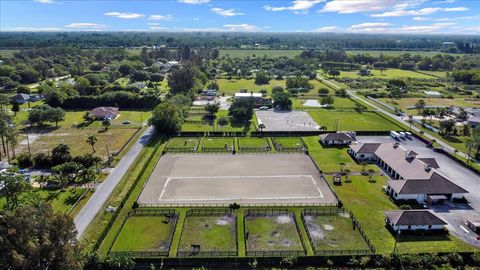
[91, 140]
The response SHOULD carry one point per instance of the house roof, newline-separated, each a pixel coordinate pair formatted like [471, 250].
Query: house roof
[396, 157]
[336, 136]
[475, 119]
[431, 162]
[248, 94]
[22, 96]
[104, 111]
[365, 148]
[436, 184]
[414, 217]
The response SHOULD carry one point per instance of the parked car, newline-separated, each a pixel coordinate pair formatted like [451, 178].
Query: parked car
[126, 122]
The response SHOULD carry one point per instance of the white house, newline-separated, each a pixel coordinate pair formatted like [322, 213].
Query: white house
[364, 151]
[412, 220]
[338, 138]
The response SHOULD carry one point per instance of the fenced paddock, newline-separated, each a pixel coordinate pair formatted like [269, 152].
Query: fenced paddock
[218, 144]
[146, 233]
[289, 144]
[253, 144]
[257, 179]
[333, 231]
[272, 232]
[182, 144]
[208, 233]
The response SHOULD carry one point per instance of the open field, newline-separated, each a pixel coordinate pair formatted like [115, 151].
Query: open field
[216, 127]
[145, 233]
[338, 103]
[334, 232]
[368, 203]
[387, 74]
[230, 87]
[259, 53]
[272, 233]
[212, 233]
[197, 179]
[397, 53]
[352, 120]
[404, 103]
[60, 200]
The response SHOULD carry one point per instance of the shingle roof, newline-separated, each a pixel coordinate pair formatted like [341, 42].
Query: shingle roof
[104, 111]
[336, 136]
[436, 184]
[430, 161]
[414, 217]
[395, 157]
[365, 148]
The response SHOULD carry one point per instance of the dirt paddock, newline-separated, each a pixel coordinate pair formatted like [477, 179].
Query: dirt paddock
[245, 179]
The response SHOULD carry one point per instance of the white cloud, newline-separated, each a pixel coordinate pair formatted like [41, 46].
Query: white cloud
[86, 25]
[458, 18]
[124, 15]
[455, 9]
[297, 5]
[420, 12]
[34, 29]
[370, 25]
[327, 29]
[44, 1]
[432, 28]
[156, 27]
[421, 19]
[196, 19]
[226, 12]
[354, 6]
[160, 17]
[242, 27]
[194, 2]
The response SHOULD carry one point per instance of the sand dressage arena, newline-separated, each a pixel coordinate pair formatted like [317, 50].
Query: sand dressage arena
[245, 179]
[286, 121]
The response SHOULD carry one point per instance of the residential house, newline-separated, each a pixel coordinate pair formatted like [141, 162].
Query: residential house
[338, 138]
[21, 98]
[104, 113]
[412, 220]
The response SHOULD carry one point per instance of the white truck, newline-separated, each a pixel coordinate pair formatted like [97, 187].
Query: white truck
[395, 135]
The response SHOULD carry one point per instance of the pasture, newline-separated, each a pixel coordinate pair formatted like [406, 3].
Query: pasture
[390, 73]
[353, 120]
[259, 53]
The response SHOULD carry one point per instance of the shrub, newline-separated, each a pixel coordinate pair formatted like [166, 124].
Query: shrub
[24, 160]
[41, 160]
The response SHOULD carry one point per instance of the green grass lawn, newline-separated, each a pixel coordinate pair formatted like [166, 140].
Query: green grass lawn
[252, 142]
[338, 103]
[368, 202]
[334, 232]
[259, 53]
[218, 142]
[216, 127]
[212, 233]
[183, 142]
[145, 233]
[386, 74]
[353, 120]
[403, 103]
[288, 142]
[275, 233]
[328, 159]
[60, 200]
[230, 87]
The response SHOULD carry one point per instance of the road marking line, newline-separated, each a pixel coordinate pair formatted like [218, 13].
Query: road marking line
[464, 229]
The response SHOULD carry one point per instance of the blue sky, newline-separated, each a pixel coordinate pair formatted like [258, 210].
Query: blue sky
[352, 16]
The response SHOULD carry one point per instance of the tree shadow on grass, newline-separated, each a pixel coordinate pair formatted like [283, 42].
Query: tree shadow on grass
[40, 129]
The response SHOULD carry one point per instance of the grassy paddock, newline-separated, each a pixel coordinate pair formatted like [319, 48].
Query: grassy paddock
[353, 120]
[259, 53]
[288, 142]
[404, 103]
[145, 233]
[212, 233]
[183, 143]
[275, 233]
[218, 142]
[386, 74]
[252, 142]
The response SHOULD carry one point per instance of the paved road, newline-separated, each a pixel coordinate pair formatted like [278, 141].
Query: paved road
[103, 190]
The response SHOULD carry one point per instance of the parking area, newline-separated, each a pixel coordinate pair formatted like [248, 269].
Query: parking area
[286, 120]
[455, 214]
[257, 179]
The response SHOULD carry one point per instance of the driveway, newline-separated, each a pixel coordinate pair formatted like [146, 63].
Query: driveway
[224, 104]
[102, 192]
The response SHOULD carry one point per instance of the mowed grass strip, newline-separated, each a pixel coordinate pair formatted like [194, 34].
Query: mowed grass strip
[218, 142]
[353, 121]
[334, 232]
[212, 233]
[275, 233]
[145, 233]
[252, 142]
[288, 142]
[183, 142]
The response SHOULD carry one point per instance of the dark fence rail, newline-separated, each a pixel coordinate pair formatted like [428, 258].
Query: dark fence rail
[151, 212]
[274, 253]
[139, 254]
[209, 212]
[206, 254]
[269, 205]
[267, 212]
[342, 252]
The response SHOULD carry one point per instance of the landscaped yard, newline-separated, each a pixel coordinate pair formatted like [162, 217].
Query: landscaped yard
[334, 232]
[145, 233]
[368, 203]
[353, 120]
[275, 233]
[212, 233]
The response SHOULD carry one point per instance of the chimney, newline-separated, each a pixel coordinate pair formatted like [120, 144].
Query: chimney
[428, 168]
[396, 145]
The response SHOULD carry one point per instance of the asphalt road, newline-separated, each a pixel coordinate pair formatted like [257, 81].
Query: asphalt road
[103, 190]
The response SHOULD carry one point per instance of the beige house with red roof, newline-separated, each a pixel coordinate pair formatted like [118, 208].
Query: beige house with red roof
[104, 113]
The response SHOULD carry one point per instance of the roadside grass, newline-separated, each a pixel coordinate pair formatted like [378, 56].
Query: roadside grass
[145, 233]
[403, 103]
[334, 232]
[252, 142]
[272, 233]
[60, 200]
[138, 174]
[77, 207]
[390, 73]
[353, 120]
[183, 142]
[218, 142]
[259, 53]
[212, 233]
[368, 202]
[329, 159]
